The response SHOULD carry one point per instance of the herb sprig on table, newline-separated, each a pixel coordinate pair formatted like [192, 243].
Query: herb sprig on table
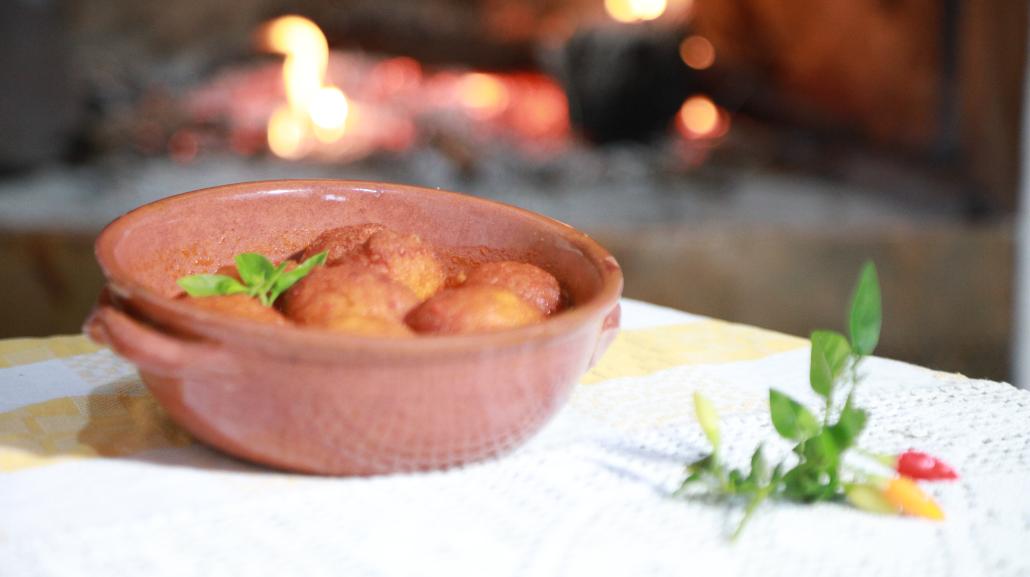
[815, 469]
[259, 278]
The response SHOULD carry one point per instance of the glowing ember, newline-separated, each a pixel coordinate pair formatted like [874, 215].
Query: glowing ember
[483, 93]
[697, 52]
[395, 75]
[540, 110]
[635, 10]
[699, 117]
[343, 106]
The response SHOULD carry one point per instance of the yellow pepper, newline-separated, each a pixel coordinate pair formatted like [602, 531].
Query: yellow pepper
[906, 495]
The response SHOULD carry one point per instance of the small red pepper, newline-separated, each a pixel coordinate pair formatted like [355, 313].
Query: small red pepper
[917, 465]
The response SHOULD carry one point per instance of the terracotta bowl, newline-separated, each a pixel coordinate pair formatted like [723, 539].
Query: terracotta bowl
[321, 402]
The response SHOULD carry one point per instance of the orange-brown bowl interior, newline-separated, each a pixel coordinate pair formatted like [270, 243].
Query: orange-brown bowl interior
[143, 253]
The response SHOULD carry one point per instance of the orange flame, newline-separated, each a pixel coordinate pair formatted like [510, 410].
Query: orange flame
[329, 110]
[313, 107]
[307, 55]
[635, 10]
[287, 132]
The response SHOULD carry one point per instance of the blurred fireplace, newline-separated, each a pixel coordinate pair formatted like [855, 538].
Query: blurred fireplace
[727, 151]
[933, 83]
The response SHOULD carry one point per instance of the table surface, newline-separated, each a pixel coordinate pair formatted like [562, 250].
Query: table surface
[94, 480]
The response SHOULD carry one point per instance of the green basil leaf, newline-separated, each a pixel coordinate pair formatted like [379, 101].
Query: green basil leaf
[277, 273]
[209, 285]
[849, 425]
[790, 418]
[254, 269]
[866, 313]
[285, 280]
[707, 417]
[268, 285]
[830, 352]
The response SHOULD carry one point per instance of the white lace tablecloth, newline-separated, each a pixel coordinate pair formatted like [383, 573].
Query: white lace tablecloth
[95, 481]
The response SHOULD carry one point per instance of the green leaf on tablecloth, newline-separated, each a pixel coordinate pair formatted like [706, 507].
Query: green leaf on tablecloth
[756, 478]
[817, 475]
[850, 424]
[830, 353]
[865, 319]
[697, 471]
[816, 469]
[790, 418]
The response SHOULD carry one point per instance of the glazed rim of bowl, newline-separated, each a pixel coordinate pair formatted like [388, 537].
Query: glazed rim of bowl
[296, 341]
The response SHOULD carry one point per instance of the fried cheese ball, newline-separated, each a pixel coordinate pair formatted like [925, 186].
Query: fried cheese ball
[405, 259]
[341, 242]
[472, 309]
[532, 283]
[331, 297]
[239, 305]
